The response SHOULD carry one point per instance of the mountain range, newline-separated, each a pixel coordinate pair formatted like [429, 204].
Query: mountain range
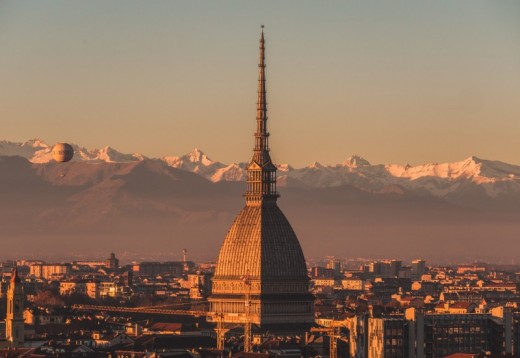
[444, 180]
[131, 204]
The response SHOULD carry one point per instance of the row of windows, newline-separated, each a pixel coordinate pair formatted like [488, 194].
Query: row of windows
[259, 187]
[239, 307]
[259, 175]
[234, 307]
[393, 332]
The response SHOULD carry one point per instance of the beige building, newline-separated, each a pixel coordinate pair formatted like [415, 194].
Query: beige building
[35, 316]
[109, 289]
[49, 271]
[82, 287]
[199, 285]
[324, 282]
[354, 284]
[455, 307]
[101, 340]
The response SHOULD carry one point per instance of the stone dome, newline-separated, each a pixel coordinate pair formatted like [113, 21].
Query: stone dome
[261, 244]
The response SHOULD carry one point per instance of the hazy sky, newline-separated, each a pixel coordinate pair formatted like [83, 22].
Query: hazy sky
[394, 81]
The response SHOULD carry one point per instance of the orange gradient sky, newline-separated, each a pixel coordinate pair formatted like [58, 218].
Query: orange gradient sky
[393, 81]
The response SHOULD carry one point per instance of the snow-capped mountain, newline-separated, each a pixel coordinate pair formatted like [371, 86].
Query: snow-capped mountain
[31, 149]
[37, 151]
[231, 172]
[441, 180]
[107, 155]
[355, 161]
[196, 162]
[494, 177]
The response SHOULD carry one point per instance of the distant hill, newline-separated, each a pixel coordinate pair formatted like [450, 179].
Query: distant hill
[149, 208]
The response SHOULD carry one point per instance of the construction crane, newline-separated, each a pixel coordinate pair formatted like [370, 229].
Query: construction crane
[333, 332]
[221, 332]
[160, 310]
[333, 338]
[165, 310]
[247, 311]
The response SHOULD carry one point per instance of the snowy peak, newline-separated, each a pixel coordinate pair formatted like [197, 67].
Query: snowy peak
[106, 154]
[110, 155]
[284, 167]
[316, 166]
[198, 156]
[197, 162]
[232, 172]
[474, 159]
[355, 161]
[191, 159]
[36, 143]
[493, 168]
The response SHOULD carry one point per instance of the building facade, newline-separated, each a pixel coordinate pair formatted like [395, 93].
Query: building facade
[49, 271]
[89, 288]
[388, 337]
[416, 334]
[112, 262]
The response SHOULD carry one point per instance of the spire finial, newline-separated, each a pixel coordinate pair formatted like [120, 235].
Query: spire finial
[261, 115]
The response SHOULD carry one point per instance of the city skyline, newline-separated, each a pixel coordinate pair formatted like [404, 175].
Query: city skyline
[431, 311]
[111, 254]
[395, 83]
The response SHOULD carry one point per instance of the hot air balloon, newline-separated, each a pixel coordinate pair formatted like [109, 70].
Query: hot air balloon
[62, 152]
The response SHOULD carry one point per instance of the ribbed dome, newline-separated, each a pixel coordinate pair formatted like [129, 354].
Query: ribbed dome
[261, 244]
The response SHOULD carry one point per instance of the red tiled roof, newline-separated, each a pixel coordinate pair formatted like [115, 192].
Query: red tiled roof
[461, 304]
[165, 326]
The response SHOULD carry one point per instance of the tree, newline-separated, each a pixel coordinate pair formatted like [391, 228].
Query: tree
[48, 298]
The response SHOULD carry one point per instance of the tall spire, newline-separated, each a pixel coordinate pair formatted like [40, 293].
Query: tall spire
[261, 135]
[261, 172]
[14, 326]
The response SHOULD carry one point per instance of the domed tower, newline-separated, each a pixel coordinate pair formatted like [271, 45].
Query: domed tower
[261, 275]
[14, 321]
